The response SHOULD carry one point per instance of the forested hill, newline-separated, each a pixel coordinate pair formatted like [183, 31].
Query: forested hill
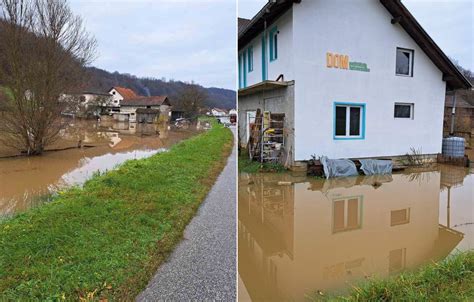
[99, 80]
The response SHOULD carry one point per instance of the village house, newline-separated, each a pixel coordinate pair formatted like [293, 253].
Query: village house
[345, 79]
[144, 109]
[218, 112]
[118, 95]
[86, 104]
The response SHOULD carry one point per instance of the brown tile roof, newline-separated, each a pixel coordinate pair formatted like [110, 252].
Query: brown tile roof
[146, 101]
[126, 93]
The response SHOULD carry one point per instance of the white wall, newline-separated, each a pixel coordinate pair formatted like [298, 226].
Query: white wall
[362, 30]
[283, 64]
[116, 98]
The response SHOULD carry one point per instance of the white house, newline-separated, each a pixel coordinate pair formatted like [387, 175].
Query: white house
[87, 103]
[218, 112]
[353, 79]
[118, 95]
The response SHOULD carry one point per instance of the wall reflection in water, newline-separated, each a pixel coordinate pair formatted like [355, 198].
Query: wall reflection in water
[326, 235]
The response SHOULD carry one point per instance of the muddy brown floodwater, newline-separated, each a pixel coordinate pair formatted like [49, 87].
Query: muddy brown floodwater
[329, 234]
[28, 181]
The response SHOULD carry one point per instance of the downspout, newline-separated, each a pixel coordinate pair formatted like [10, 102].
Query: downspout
[265, 48]
[453, 114]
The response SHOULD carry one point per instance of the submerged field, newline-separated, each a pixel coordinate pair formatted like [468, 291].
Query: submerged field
[107, 239]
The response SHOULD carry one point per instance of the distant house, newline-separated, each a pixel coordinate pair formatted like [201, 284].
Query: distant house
[233, 115]
[177, 111]
[86, 104]
[218, 112]
[118, 95]
[143, 109]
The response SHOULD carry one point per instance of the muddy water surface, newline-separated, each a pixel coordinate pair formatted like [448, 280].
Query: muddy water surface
[329, 234]
[26, 182]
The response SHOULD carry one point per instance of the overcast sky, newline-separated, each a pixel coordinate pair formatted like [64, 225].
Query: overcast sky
[449, 22]
[177, 39]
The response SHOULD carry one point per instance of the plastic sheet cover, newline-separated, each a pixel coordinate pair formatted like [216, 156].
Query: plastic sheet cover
[338, 167]
[376, 167]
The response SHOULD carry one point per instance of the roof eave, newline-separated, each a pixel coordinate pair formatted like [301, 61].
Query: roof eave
[270, 12]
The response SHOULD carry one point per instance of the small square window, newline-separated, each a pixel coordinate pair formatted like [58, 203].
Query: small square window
[399, 217]
[404, 62]
[403, 110]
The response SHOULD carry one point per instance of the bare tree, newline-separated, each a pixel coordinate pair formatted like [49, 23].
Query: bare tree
[43, 54]
[192, 98]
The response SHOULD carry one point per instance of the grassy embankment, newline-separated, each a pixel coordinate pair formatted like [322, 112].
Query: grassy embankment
[107, 239]
[448, 280]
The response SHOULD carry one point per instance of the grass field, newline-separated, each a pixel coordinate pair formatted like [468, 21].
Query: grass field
[107, 239]
[449, 280]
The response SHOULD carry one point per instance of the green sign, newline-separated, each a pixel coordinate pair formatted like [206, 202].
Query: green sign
[358, 66]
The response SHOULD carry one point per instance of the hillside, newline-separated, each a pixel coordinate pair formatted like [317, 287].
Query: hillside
[101, 80]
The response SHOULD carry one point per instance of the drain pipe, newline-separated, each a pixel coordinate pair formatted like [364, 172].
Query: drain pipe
[453, 114]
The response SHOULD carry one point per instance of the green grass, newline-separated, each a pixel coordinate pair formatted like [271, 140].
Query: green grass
[250, 166]
[107, 239]
[448, 280]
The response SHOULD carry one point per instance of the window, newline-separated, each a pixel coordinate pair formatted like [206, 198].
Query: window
[349, 121]
[404, 64]
[347, 214]
[397, 260]
[250, 58]
[403, 110]
[250, 120]
[399, 217]
[274, 44]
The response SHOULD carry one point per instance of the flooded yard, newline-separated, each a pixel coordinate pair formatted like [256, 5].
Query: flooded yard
[298, 234]
[27, 181]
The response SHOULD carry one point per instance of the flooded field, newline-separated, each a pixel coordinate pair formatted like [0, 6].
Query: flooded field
[27, 181]
[298, 234]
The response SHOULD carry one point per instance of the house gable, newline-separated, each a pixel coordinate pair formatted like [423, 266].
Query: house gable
[272, 11]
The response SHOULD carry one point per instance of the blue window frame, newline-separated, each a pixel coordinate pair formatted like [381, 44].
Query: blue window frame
[349, 121]
[273, 44]
[250, 58]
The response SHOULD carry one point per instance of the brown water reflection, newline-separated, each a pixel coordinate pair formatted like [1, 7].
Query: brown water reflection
[327, 235]
[25, 182]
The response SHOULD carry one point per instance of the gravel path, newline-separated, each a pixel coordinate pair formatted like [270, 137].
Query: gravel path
[203, 265]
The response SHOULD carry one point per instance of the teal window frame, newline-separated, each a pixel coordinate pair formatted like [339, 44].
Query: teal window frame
[363, 113]
[250, 58]
[273, 45]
